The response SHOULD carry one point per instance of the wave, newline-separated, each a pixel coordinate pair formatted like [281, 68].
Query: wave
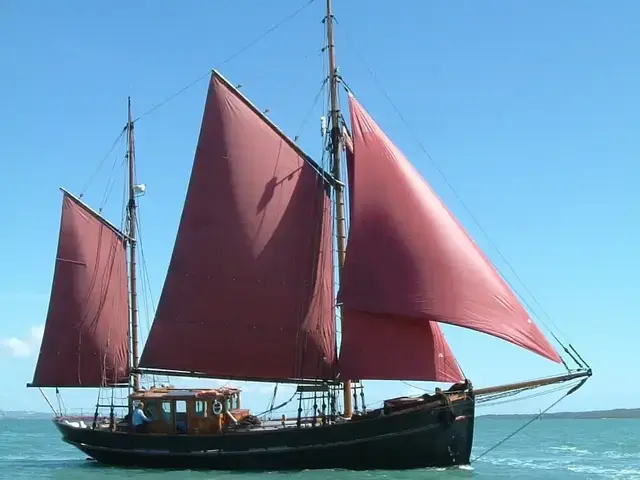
[569, 448]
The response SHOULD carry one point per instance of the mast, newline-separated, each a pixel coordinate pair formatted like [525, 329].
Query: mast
[131, 207]
[339, 185]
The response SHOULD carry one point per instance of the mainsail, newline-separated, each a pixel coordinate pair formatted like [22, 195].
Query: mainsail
[409, 262]
[86, 339]
[249, 290]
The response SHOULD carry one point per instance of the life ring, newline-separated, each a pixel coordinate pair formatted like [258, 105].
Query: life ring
[217, 408]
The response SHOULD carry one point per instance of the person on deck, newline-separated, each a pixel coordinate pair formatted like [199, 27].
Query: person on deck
[139, 420]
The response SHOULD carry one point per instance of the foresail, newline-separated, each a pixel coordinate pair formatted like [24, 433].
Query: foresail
[249, 290]
[86, 336]
[381, 347]
[426, 266]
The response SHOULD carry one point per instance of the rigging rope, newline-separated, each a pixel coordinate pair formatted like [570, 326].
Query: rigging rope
[536, 417]
[228, 59]
[104, 159]
[48, 402]
[278, 407]
[111, 181]
[184, 89]
[146, 292]
[492, 401]
[310, 110]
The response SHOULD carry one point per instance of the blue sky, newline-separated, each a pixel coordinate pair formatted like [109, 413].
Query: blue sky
[529, 108]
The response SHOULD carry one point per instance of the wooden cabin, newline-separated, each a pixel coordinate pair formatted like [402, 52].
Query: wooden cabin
[190, 411]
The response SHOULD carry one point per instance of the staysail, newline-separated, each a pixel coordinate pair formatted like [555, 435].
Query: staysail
[377, 347]
[249, 290]
[426, 268]
[380, 347]
[86, 336]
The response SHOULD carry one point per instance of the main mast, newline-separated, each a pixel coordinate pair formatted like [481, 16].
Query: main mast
[131, 208]
[337, 174]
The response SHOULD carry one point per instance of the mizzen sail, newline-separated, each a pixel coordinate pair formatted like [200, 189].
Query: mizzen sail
[249, 290]
[426, 268]
[86, 336]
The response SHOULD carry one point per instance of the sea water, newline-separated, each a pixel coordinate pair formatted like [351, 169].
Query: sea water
[547, 449]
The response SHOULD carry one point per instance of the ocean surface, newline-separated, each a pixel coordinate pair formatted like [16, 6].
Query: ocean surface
[547, 449]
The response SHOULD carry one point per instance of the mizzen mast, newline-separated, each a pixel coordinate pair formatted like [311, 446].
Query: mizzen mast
[131, 209]
[336, 171]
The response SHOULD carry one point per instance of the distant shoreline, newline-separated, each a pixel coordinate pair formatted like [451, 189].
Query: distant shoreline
[619, 413]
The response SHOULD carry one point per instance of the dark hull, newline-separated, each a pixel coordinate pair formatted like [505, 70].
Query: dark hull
[416, 438]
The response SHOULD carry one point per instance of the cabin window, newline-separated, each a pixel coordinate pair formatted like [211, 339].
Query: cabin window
[166, 412]
[152, 409]
[201, 408]
[181, 416]
[181, 406]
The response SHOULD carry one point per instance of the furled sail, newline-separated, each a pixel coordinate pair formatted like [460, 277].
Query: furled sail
[426, 266]
[249, 290]
[86, 335]
[380, 347]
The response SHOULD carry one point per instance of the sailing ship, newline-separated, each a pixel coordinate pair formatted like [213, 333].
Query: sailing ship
[249, 295]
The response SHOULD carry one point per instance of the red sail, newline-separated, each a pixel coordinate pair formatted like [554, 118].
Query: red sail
[86, 335]
[384, 347]
[426, 266]
[249, 290]
[370, 342]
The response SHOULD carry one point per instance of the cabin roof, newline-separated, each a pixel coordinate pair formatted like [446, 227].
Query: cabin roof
[170, 392]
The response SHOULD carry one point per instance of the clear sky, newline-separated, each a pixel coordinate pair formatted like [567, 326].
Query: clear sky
[529, 108]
